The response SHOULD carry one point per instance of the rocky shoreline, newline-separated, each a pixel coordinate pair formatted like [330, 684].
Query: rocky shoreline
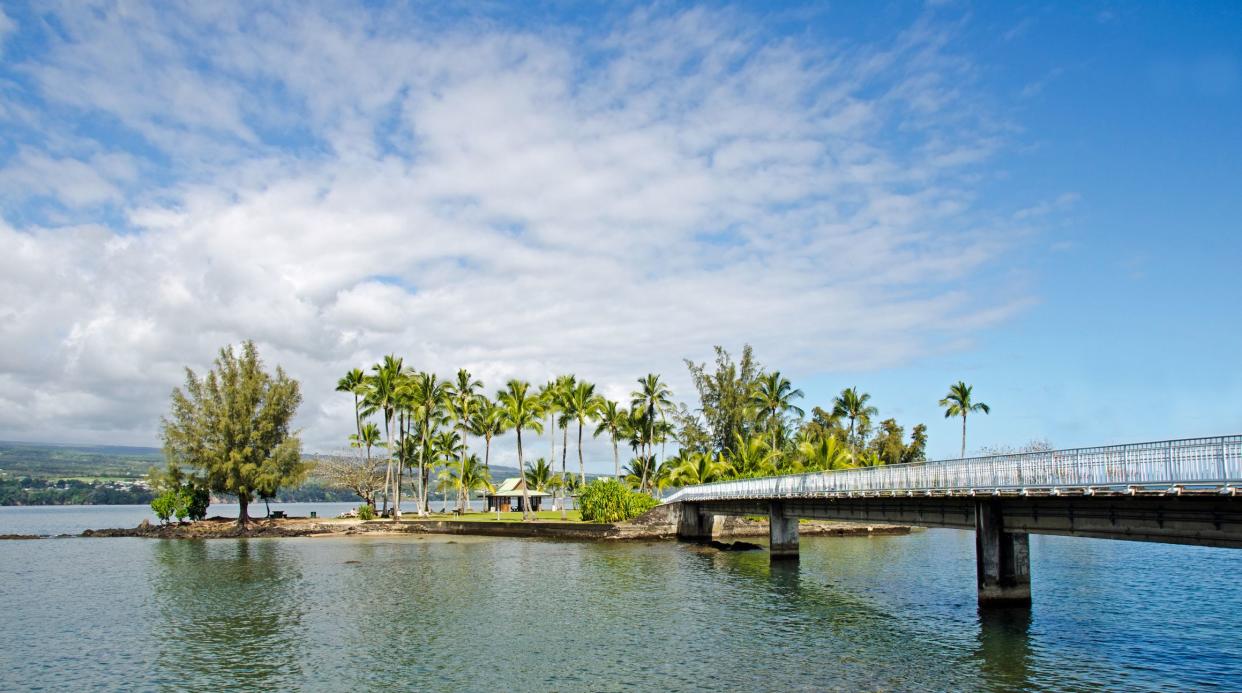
[655, 525]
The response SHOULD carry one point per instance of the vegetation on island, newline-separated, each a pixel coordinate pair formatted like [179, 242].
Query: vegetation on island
[746, 421]
[229, 432]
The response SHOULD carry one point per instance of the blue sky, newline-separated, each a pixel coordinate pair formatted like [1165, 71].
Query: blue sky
[1039, 199]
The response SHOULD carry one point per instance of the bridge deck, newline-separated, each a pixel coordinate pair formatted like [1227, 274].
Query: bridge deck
[1212, 465]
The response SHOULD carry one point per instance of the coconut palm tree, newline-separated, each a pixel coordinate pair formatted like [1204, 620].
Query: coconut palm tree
[823, 454]
[381, 397]
[853, 405]
[640, 471]
[472, 476]
[649, 402]
[549, 396]
[612, 420]
[523, 410]
[354, 382]
[488, 422]
[751, 457]
[368, 437]
[429, 399]
[538, 474]
[463, 395]
[773, 398]
[959, 403]
[581, 403]
[698, 468]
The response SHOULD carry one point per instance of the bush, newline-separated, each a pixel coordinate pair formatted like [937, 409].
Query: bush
[182, 501]
[608, 500]
[165, 505]
[366, 512]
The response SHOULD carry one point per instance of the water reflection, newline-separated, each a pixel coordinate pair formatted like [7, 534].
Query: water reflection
[1004, 648]
[230, 614]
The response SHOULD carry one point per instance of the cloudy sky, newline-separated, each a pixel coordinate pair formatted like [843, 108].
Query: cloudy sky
[1041, 201]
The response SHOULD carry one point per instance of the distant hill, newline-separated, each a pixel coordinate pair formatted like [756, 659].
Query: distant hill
[54, 461]
[70, 461]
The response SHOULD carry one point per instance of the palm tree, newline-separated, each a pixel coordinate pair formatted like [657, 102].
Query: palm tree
[612, 419]
[773, 398]
[444, 451]
[697, 468]
[381, 396]
[958, 403]
[430, 398]
[369, 438]
[473, 476]
[523, 410]
[488, 421]
[581, 403]
[823, 454]
[538, 474]
[355, 381]
[549, 396]
[650, 401]
[751, 457]
[853, 405]
[463, 395]
[640, 471]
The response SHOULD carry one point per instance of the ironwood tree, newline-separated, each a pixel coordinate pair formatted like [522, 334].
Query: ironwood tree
[232, 428]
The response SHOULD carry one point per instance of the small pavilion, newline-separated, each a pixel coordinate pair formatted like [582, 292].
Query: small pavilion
[508, 496]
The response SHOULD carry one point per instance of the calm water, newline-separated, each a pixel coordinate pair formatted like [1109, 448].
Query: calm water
[458, 613]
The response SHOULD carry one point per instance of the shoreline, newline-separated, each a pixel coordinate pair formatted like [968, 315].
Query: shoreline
[655, 525]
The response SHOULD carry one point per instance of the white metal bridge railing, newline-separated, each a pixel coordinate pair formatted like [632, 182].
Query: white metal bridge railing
[1195, 463]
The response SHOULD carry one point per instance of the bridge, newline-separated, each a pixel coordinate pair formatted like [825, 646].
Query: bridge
[1175, 491]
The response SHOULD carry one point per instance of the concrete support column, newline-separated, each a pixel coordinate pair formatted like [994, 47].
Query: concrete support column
[782, 533]
[694, 524]
[1002, 559]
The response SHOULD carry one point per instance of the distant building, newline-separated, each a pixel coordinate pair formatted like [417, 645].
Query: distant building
[508, 496]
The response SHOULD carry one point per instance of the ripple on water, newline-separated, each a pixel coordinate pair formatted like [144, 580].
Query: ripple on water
[893, 613]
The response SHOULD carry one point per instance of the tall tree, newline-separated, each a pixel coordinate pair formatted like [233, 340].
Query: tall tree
[487, 422]
[354, 382]
[612, 420]
[725, 396]
[581, 403]
[549, 397]
[381, 397]
[773, 398]
[649, 402]
[463, 394]
[852, 405]
[233, 426]
[523, 410]
[430, 399]
[959, 403]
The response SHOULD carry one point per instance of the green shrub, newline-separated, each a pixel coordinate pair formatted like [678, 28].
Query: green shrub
[366, 512]
[165, 505]
[182, 501]
[608, 500]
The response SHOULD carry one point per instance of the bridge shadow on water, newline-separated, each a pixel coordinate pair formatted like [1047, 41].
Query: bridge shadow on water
[974, 648]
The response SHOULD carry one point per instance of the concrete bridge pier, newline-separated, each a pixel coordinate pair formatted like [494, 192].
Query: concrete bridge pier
[694, 524]
[1002, 559]
[782, 533]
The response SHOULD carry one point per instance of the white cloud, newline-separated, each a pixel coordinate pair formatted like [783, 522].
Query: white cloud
[519, 205]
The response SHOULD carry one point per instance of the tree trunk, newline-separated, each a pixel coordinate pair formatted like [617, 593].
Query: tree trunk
[963, 435]
[581, 464]
[487, 454]
[396, 506]
[616, 456]
[388, 470]
[522, 471]
[465, 448]
[243, 500]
